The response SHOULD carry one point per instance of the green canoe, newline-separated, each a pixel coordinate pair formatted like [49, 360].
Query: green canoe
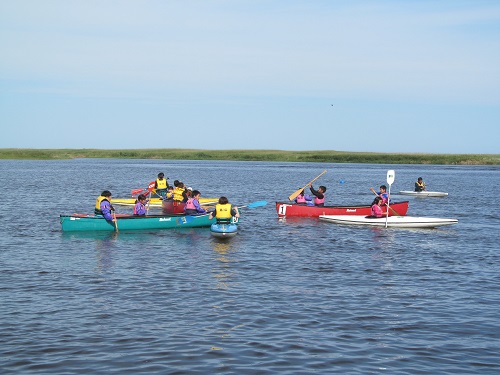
[84, 222]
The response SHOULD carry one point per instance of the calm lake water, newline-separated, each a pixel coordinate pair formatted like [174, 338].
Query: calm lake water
[289, 297]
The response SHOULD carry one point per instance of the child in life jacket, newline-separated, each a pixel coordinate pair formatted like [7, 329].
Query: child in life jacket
[376, 209]
[304, 199]
[224, 211]
[161, 185]
[319, 194]
[193, 205]
[140, 205]
[383, 194]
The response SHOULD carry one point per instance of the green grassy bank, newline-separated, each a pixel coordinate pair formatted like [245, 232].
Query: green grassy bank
[254, 155]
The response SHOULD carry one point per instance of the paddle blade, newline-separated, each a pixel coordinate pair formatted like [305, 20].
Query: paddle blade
[257, 204]
[296, 194]
[136, 191]
[390, 176]
[151, 186]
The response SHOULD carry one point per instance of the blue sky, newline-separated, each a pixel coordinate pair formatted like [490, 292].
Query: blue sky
[381, 76]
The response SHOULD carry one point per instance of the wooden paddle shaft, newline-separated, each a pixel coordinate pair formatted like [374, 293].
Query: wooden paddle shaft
[392, 209]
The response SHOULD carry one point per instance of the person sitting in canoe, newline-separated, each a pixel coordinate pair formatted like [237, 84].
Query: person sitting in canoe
[161, 185]
[180, 192]
[303, 198]
[319, 195]
[224, 211]
[383, 194]
[103, 206]
[193, 205]
[170, 194]
[420, 185]
[140, 206]
[376, 210]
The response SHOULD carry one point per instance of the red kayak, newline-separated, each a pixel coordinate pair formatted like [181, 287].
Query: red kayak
[291, 209]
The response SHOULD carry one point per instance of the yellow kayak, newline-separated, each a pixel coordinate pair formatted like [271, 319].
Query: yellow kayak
[156, 202]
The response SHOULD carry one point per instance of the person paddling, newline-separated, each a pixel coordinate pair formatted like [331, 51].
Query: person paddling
[420, 185]
[319, 194]
[161, 185]
[224, 211]
[383, 194]
[103, 206]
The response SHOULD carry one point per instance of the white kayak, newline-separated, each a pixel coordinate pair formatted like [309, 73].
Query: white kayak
[392, 221]
[423, 193]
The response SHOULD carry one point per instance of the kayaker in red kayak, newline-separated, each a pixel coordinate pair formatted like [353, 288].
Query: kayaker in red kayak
[304, 199]
[319, 194]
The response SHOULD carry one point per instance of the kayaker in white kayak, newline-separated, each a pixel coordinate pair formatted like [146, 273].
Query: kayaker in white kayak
[376, 209]
[420, 185]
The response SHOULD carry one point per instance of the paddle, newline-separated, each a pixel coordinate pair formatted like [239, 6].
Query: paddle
[136, 191]
[116, 221]
[294, 195]
[149, 189]
[190, 218]
[392, 209]
[390, 180]
[254, 204]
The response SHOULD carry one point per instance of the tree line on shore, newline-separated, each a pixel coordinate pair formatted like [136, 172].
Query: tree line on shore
[322, 156]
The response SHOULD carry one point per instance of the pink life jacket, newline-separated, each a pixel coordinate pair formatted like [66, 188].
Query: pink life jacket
[376, 210]
[319, 201]
[301, 198]
[190, 204]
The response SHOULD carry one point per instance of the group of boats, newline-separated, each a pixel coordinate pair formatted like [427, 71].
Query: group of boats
[173, 215]
[393, 216]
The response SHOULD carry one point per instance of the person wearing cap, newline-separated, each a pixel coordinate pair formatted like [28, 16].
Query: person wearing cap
[161, 185]
[420, 185]
[103, 205]
[193, 205]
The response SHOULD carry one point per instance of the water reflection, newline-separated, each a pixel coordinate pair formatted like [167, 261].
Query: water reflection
[104, 255]
[224, 251]
[105, 243]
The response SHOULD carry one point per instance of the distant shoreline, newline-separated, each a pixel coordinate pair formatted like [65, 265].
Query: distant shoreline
[253, 155]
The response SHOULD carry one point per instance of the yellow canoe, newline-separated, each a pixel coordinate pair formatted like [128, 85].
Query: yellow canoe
[156, 202]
